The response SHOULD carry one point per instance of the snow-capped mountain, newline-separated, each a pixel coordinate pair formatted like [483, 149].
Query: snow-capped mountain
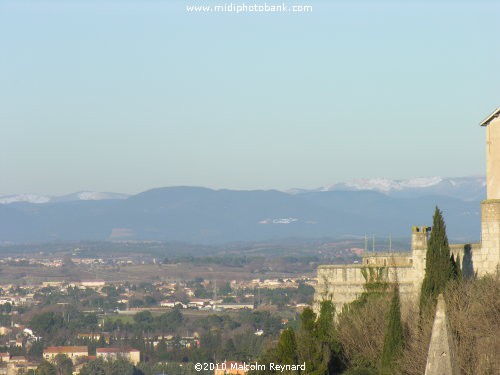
[41, 199]
[27, 198]
[465, 188]
[89, 196]
[386, 185]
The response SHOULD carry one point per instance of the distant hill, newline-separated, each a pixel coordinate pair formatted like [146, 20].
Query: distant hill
[41, 199]
[206, 216]
[466, 188]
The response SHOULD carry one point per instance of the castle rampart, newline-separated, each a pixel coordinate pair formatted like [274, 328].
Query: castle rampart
[344, 283]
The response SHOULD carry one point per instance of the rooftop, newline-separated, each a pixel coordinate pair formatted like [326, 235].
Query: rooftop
[65, 349]
[115, 350]
[491, 117]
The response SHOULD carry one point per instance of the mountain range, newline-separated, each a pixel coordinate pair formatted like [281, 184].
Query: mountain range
[199, 215]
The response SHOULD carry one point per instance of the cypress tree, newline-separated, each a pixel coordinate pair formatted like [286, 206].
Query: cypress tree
[325, 328]
[286, 351]
[394, 335]
[316, 342]
[438, 266]
[327, 338]
[458, 266]
[307, 341]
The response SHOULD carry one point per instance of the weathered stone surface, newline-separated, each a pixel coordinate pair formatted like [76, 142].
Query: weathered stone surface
[344, 283]
[441, 359]
[493, 158]
[488, 258]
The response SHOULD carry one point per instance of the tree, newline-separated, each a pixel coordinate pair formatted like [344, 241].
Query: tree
[170, 321]
[325, 328]
[120, 367]
[311, 349]
[95, 367]
[394, 335]
[362, 324]
[63, 365]
[286, 351]
[101, 367]
[46, 368]
[456, 268]
[136, 302]
[46, 323]
[438, 266]
[226, 289]
[150, 301]
[315, 344]
[161, 351]
[328, 337]
[143, 317]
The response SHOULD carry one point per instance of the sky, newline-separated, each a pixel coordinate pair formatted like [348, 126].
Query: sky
[125, 96]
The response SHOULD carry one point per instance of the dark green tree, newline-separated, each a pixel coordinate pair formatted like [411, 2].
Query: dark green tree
[95, 367]
[394, 336]
[120, 367]
[315, 344]
[229, 350]
[327, 337]
[101, 343]
[456, 269]
[143, 317]
[226, 289]
[307, 341]
[46, 323]
[438, 266]
[46, 368]
[63, 365]
[316, 341]
[286, 352]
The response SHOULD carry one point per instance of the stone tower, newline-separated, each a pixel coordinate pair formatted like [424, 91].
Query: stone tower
[419, 239]
[489, 257]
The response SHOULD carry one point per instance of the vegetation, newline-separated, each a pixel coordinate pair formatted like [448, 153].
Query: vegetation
[473, 308]
[394, 336]
[314, 345]
[101, 367]
[362, 326]
[439, 267]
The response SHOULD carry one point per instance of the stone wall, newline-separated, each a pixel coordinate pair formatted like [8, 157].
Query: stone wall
[342, 284]
[488, 258]
[493, 159]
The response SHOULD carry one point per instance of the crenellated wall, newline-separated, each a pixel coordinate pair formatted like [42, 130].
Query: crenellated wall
[344, 283]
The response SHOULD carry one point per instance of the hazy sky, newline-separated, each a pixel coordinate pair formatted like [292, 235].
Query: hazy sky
[125, 96]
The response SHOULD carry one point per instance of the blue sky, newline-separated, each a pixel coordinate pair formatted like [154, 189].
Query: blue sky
[129, 95]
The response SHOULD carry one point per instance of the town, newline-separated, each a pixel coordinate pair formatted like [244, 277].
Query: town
[49, 319]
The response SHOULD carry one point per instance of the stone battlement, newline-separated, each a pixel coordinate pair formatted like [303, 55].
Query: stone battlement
[344, 283]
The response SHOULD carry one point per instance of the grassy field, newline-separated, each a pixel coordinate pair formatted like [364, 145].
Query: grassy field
[32, 275]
